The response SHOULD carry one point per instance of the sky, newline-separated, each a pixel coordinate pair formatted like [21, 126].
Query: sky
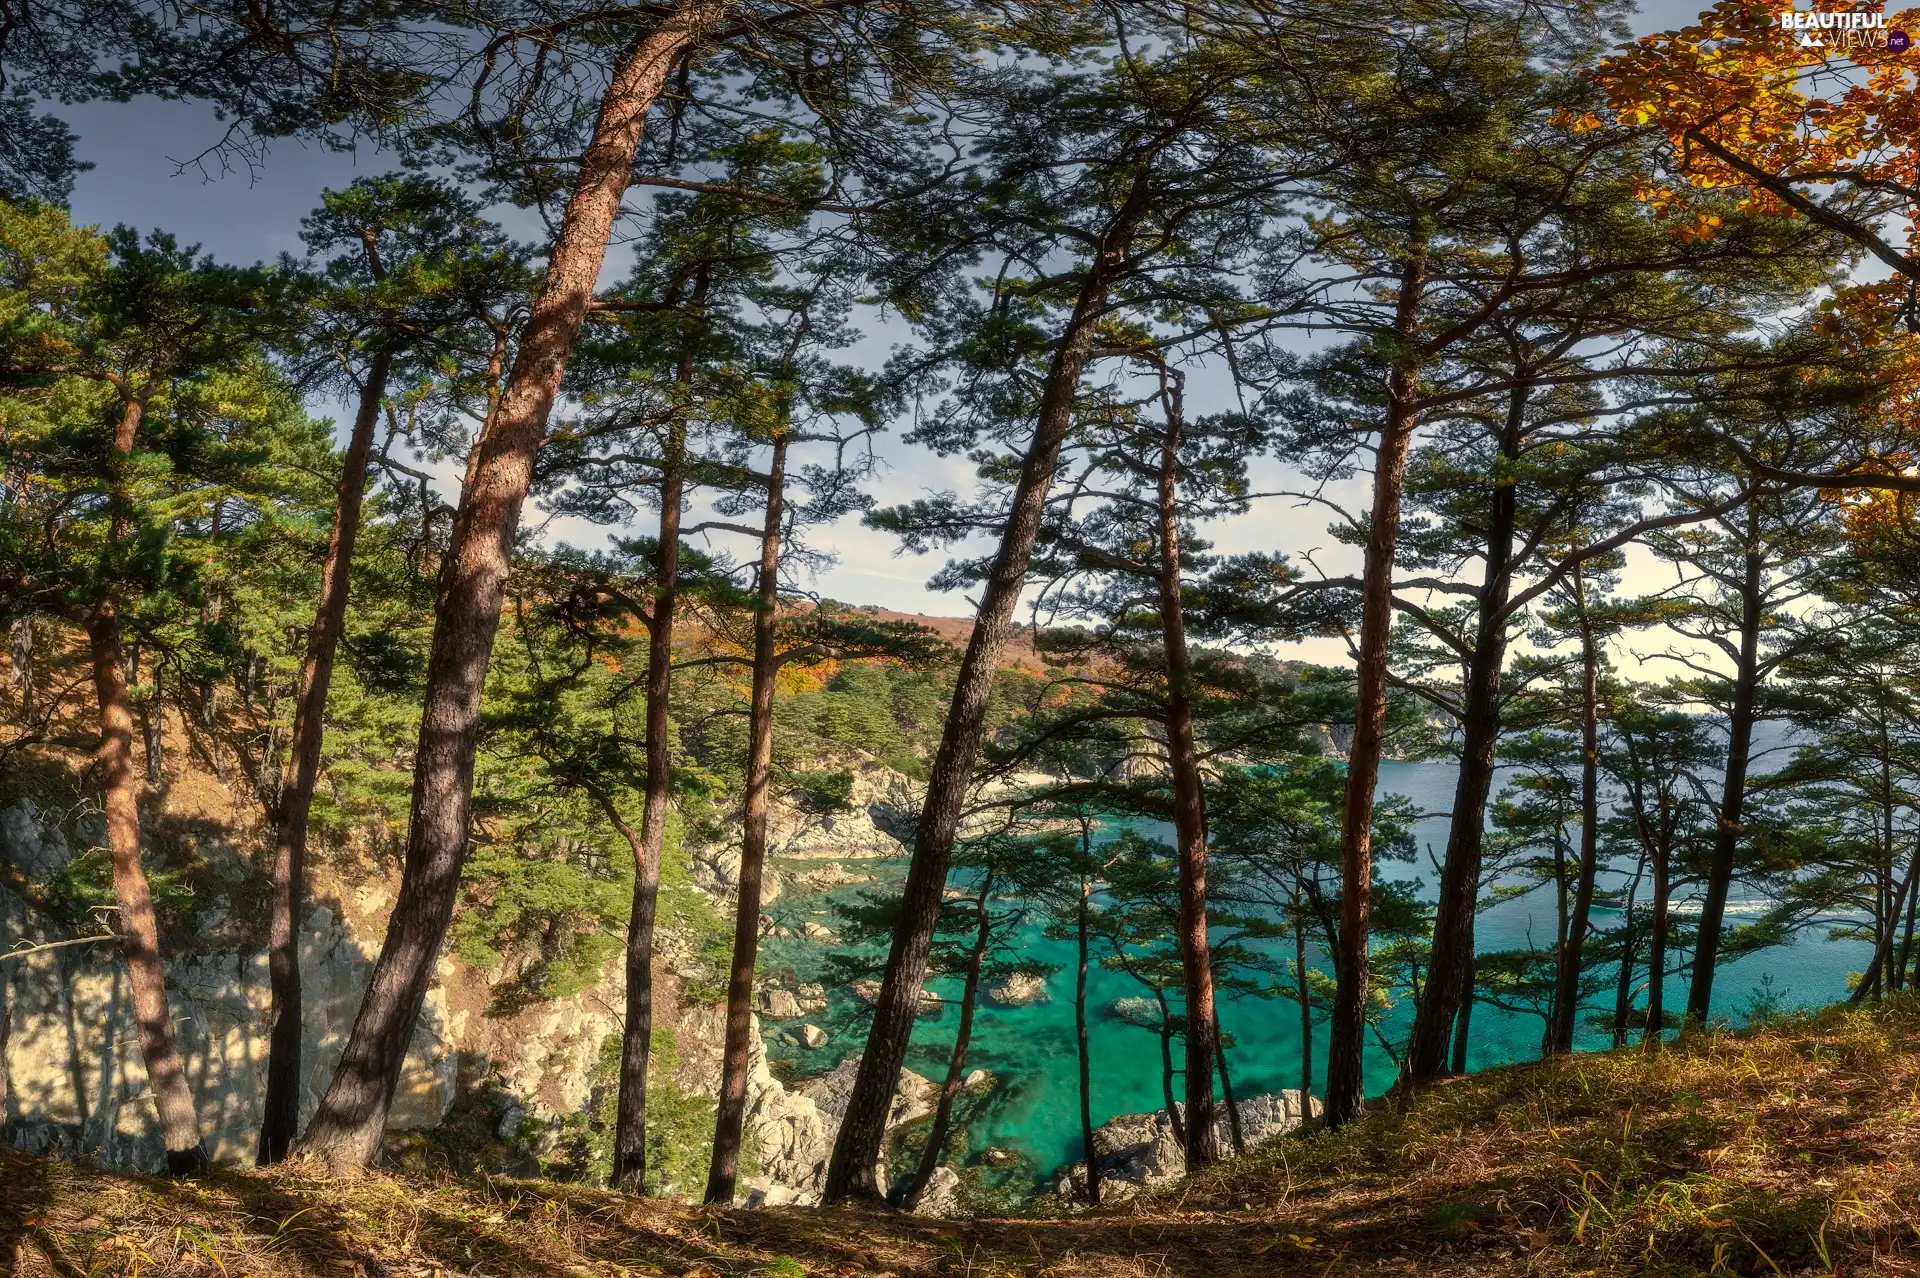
[144, 175]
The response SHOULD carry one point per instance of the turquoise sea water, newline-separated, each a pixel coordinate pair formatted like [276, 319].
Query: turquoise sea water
[1035, 1111]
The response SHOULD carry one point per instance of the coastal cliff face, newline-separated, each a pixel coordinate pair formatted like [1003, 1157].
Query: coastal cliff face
[74, 1083]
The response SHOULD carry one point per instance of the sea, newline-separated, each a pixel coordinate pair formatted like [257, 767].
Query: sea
[1033, 1111]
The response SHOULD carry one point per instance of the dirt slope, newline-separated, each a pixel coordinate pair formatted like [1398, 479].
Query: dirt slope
[1795, 1150]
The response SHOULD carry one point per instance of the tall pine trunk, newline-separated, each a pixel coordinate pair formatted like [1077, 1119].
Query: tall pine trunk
[1727, 828]
[957, 1060]
[1226, 1088]
[281, 1109]
[1566, 993]
[856, 1151]
[1629, 946]
[1882, 973]
[139, 930]
[1463, 1024]
[636, 1042]
[1166, 1069]
[120, 795]
[1459, 897]
[346, 1130]
[1080, 1029]
[1189, 802]
[1657, 949]
[732, 1111]
[1903, 965]
[1305, 992]
[1347, 1036]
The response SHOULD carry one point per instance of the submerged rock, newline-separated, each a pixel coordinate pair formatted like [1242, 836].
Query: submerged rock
[780, 1004]
[868, 992]
[1019, 989]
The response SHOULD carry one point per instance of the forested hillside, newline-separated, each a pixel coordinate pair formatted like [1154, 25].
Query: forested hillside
[435, 743]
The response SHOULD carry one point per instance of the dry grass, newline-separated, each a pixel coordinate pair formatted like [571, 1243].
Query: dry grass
[1792, 1151]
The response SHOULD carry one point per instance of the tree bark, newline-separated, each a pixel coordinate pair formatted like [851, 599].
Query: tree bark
[139, 930]
[1459, 896]
[850, 1173]
[1651, 1036]
[1629, 944]
[1189, 802]
[281, 1109]
[120, 797]
[1306, 999]
[1727, 829]
[1347, 1036]
[1166, 1070]
[732, 1110]
[957, 1060]
[630, 1109]
[1566, 994]
[1904, 965]
[1080, 1032]
[1880, 972]
[346, 1130]
[1226, 1089]
[1463, 1024]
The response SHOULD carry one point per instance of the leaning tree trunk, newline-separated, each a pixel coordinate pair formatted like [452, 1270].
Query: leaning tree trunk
[120, 793]
[281, 1108]
[1347, 1036]
[1903, 964]
[347, 1128]
[732, 1112]
[1189, 803]
[139, 931]
[856, 1151]
[957, 1060]
[1727, 829]
[1566, 995]
[1459, 896]
[1882, 973]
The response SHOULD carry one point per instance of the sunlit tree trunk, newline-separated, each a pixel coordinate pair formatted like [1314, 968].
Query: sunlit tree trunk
[856, 1150]
[346, 1130]
[120, 797]
[281, 1108]
[957, 1059]
[1347, 1036]
[1189, 802]
[731, 1115]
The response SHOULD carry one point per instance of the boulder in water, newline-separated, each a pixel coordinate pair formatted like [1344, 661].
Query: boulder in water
[1019, 989]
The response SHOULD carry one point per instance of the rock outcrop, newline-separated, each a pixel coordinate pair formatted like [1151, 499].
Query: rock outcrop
[1138, 1151]
[76, 1082]
[1018, 989]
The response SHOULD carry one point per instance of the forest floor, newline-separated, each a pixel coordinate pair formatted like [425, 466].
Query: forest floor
[1791, 1150]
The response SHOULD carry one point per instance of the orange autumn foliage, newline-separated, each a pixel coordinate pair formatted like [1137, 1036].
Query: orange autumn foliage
[1829, 130]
